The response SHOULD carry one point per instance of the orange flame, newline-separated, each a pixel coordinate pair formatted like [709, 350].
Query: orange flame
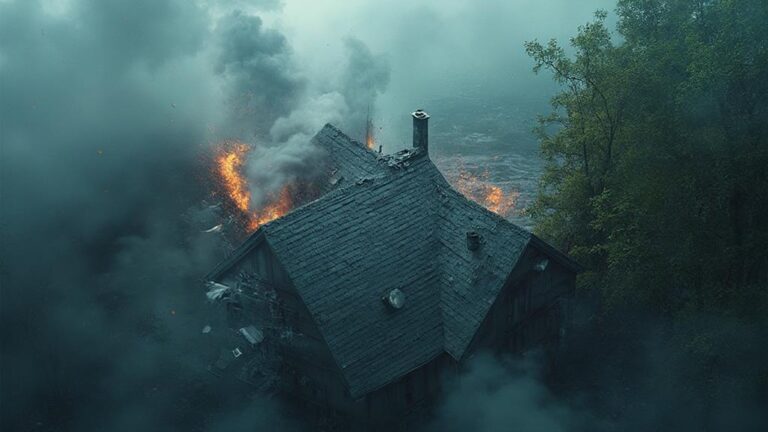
[370, 142]
[273, 210]
[229, 162]
[480, 190]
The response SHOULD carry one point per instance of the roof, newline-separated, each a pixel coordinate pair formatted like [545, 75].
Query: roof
[397, 224]
[346, 159]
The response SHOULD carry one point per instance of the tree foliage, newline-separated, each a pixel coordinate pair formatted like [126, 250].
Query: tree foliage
[656, 155]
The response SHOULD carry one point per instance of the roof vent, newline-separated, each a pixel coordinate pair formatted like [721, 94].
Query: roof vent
[473, 240]
[541, 265]
[395, 299]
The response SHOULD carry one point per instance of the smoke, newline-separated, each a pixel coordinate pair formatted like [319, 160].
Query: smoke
[277, 110]
[107, 113]
[365, 77]
[262, 81]
[495, 394]
[623, 370]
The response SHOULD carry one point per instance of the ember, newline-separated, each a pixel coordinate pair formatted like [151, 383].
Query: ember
[370, 141]
[483, 192]
[229, 161]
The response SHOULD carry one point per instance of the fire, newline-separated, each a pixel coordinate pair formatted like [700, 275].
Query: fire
[480, 190]
[229, 161]
[229, 165]
[273, 210]
[370, 141]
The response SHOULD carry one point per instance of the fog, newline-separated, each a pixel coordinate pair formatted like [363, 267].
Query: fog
[108, 113]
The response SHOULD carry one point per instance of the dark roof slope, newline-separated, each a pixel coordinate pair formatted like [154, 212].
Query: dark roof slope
[346, 159]
[471, 280]
[347, 250]
[399, 224]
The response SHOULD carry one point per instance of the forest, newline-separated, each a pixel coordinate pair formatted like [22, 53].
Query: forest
[656, 180]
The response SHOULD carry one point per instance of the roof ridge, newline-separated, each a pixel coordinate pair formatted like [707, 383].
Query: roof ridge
[341, 133]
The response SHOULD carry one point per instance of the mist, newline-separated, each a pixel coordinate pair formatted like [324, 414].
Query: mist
[109, 112]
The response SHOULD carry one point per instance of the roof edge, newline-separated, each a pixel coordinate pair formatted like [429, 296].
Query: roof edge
[555, 253]
[340, 132]
[358, 395]
[254, 240]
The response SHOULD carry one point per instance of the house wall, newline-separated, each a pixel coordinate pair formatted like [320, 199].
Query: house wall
[410, 397]
[309, 375]
[531, 308]
[526, 313]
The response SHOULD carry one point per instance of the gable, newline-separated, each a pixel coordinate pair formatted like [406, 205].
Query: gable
[471, 280]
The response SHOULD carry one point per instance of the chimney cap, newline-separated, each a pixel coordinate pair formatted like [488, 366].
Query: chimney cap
[420, 114]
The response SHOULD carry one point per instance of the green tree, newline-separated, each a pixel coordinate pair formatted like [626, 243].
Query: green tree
[656, 155]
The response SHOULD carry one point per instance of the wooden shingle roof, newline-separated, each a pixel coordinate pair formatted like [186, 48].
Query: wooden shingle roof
[391, 223]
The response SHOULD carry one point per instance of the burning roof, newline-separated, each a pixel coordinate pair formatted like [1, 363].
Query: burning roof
[390, 223]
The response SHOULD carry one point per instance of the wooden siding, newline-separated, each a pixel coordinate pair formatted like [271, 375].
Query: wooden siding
[525, 313]
[529, 310]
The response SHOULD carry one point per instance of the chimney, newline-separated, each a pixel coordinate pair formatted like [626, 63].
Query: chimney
[420, 130]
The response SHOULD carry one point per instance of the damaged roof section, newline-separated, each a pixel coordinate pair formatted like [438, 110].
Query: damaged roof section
[346, 160]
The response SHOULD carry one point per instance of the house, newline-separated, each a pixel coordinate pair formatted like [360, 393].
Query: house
[388, 281]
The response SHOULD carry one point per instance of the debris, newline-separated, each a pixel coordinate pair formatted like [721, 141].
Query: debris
[400, 159]
[335, 177]
[206, 329]
[216, 291]
[252, 334]
[236, 352]
[364, 180]
[215, 229]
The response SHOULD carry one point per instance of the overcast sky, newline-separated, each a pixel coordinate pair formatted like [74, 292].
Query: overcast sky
[434, 49]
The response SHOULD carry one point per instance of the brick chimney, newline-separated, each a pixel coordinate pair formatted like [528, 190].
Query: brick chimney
[421, 130]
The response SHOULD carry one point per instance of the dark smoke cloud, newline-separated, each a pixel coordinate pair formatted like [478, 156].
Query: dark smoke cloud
[107, 109]
[263, 84]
